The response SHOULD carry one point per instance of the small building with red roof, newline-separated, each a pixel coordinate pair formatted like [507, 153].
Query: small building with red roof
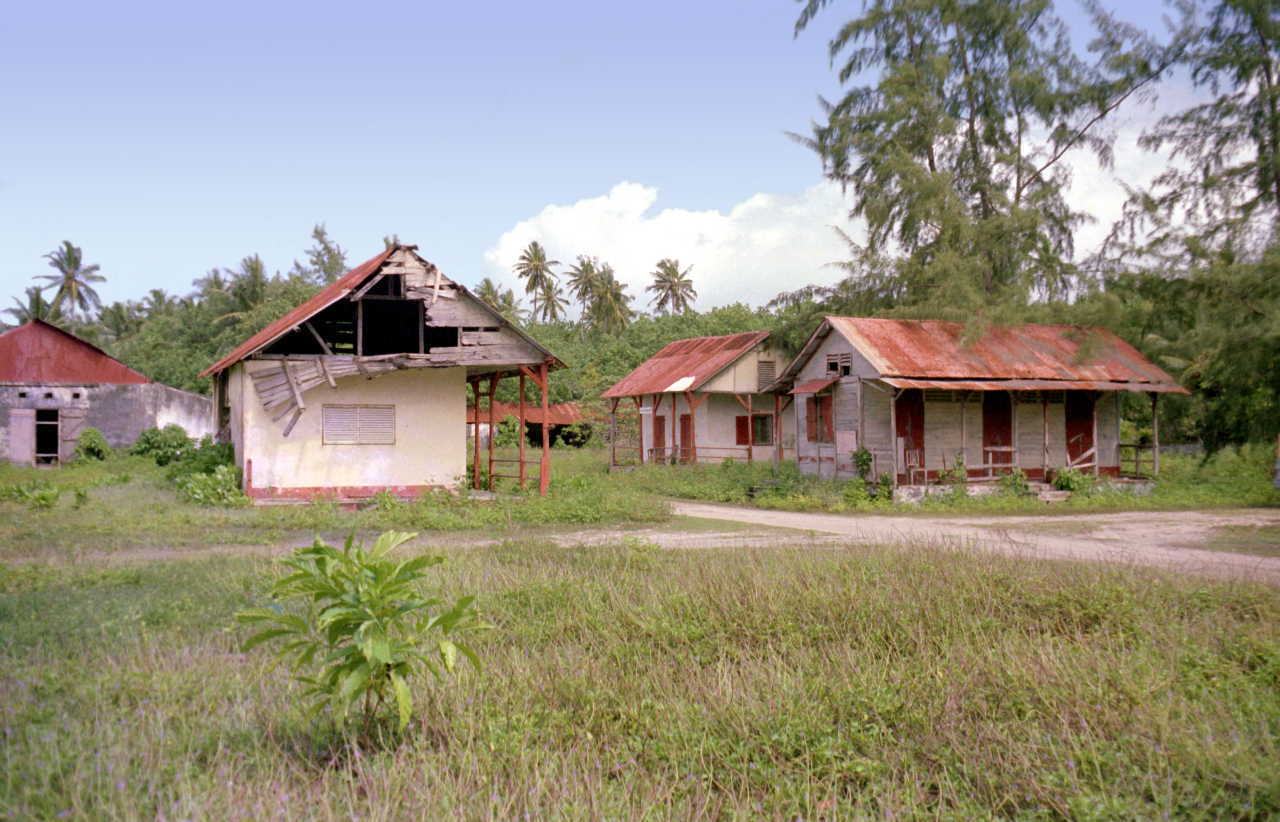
[53, 385]
[704, 399]
[920, 400]
[363, 388]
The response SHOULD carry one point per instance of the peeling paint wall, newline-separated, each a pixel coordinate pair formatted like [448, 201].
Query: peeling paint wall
[430, 443]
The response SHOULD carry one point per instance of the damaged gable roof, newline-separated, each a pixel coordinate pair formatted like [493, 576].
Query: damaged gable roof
[1042, 356]
[340, 289]
[39, 352]
[685, 365]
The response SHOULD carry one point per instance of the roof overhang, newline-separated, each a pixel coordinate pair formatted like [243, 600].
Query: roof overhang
[812, 386]
[1032, 385]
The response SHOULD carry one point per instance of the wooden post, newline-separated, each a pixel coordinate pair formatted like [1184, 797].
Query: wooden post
[493, 428]
[522, 432]
[1155, 435]
[674, 427]
[1044, 454]
[360, 330]
[544, 478]
[964, 432]
[893, 435]
[640, 422]
[475, 456]
[613, 432]
[777, 429]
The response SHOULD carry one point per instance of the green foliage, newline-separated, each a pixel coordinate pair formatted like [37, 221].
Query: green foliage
[92, 445]
[508, 433]
[164, 445]
[204, 457]
[36, 494]
[219, 487]
[365, 627]
[856, 494]
[1014, 484]
[862, 462]
[1070, 479]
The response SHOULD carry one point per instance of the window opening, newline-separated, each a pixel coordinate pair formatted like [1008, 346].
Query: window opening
[46, 436]
[766, 372]
[840, 364]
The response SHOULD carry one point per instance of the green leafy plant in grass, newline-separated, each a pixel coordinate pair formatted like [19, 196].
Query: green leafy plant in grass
[35, 494]
[163, 445]
[92, 445]
[222, 487]
[200, 458]
[507, 434]
[365, 626]
[1077, 482]
[1014, 484]
[884, 487]
[862, 462]
[855, 493]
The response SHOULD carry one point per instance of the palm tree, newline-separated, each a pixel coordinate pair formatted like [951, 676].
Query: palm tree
[553, 303]
[584, 278]
[248, 288]
[672, 289]
[73, 279]
[158, 302]
[610, 305]
[502, 300]
[536, 270]
[36, 308]
[120, 319]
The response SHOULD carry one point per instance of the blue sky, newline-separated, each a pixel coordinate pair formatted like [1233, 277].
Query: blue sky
[166, 139]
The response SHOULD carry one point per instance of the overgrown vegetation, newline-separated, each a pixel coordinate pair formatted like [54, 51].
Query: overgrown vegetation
[622, 681]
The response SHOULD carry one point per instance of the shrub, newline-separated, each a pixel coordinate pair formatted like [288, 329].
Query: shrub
[1077, 482]
[222, 487]
[92, 445]
[507, 434]
[164, 445]
[35, 494]
[365, 626]
[862, 462]
[1014, 484]
[202, 458]
[855, 493]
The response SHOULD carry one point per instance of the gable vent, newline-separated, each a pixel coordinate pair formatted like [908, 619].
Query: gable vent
[766, 373]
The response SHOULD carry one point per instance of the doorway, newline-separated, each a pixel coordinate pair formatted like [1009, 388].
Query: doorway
[1079, 413]
[997, 430]
[686, 437]
[909, 417]
[47, 436]
[659, 438]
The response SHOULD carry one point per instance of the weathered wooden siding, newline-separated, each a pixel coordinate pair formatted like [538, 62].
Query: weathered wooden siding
[942, 437]
[877, 430]
[1107, 411]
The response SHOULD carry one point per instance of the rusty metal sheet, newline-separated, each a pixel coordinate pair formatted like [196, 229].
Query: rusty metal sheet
[560, 413]
[685, 365]
[1034, 385]
[42, 353]
[812, 386]
[925, 349]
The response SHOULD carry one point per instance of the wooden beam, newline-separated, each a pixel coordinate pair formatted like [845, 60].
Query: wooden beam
[475, 440]
[324, 369]
[1155, 435]
[297, 415]
[1044, 416]
[640, 430]
[694, 400]
[747, 403]
[493, 427]
[324, 346]
[359, 329]
[422, 328]
[293, 386]
[364, 289]
[777, 429]
[536, 376]
[675, 426]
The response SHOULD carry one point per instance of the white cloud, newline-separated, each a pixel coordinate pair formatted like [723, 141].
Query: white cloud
[763, 245]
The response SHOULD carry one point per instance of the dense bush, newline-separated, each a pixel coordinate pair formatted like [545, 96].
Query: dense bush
[220, 487]
[92, 445]
[202, 458]
[1077, 482]
[163, 445]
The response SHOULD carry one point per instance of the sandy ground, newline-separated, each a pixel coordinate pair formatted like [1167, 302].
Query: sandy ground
[1164, 539]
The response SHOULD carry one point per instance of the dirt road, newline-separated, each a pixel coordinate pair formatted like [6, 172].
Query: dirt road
[1165, 539]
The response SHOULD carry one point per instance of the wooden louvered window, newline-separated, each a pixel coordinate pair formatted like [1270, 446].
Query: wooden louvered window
[819, 425]
[766, 373]
[359, 424]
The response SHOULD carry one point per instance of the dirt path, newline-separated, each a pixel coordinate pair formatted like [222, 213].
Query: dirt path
[1163, 539]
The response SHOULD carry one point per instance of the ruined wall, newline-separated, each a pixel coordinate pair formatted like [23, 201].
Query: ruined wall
[429, 448]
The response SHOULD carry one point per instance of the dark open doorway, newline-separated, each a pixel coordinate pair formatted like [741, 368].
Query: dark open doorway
[47, 436]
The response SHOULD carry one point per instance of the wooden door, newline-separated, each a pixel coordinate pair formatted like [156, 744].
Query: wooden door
[997, 428]
[1079, 413]
[659, 438]
[686, 437]
[22, 435]
[909, 417]
[71, 424]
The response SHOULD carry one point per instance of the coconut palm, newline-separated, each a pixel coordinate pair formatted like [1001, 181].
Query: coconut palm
[72, 280]
[502, 300]
[35, 308]
[120, 319]
[610, 305]
[584, 277]
[552, 303]
[248, 287]
[536, 270]
[672, 289]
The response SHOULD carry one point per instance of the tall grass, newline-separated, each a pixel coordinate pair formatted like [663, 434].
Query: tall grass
[628, 682]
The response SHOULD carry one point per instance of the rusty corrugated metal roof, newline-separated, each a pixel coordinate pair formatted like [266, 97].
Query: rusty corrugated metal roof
[812, 386]
[685, 365]
[560, 413]
[335, 291]
[38, 352]
[933, 349]
[1034, 385]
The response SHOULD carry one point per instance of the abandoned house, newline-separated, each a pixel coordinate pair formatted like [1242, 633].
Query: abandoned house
[363, 387]
[53, 385]
[921, 401]
[703, 400]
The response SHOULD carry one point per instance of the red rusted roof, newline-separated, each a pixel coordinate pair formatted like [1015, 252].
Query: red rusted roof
[685, 365]
[335, 291]
[932, 349]
[42, 353]
[812, 386]
[560, 413]
[1033, 385]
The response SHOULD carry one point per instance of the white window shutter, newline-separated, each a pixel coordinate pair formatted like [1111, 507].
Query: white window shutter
[378, 424]
[339, 423]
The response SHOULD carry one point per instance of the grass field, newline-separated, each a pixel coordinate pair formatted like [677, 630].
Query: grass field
[627, 682]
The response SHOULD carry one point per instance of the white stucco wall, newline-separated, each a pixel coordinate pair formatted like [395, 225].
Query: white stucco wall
[430, 421]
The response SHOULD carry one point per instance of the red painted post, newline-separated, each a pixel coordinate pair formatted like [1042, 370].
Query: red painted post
[777, 428]
[493, 428]
[522, 432]
[475, 459]
[544, 479]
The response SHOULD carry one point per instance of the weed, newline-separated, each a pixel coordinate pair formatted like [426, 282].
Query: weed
[92, 445]
[222, 487]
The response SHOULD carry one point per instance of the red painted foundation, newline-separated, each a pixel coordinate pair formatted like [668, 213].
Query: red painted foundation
[337, 492]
